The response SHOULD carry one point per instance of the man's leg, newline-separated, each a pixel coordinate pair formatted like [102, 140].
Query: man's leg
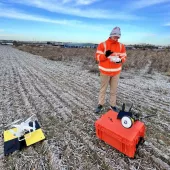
[113, 89]
[103, 87]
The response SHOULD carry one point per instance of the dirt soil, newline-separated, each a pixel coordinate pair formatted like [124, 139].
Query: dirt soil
[63, 96]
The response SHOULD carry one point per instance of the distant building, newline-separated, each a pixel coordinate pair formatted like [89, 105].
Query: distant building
[130, 47]
[161, 47]
[2, 43]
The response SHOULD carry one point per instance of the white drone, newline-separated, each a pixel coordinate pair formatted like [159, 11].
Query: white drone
[22, 128]
[114, 59]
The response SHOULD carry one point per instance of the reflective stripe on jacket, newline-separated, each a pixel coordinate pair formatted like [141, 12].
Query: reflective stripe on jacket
[105, 65]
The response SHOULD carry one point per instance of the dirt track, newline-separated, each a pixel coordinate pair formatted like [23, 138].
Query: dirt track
[63, 97]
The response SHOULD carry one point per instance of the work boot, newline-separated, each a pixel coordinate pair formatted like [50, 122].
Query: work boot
[98, 109]
[114, 108]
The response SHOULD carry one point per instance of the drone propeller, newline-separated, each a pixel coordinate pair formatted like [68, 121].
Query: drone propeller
[29, 119]
[13, 123]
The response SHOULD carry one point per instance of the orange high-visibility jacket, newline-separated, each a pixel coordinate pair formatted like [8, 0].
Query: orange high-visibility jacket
[105, 65]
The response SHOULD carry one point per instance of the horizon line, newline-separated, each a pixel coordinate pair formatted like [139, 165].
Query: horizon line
[79, 42]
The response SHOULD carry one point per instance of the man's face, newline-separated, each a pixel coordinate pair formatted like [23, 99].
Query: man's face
[115, 38]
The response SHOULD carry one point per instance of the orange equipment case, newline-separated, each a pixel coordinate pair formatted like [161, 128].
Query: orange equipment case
[110, 130]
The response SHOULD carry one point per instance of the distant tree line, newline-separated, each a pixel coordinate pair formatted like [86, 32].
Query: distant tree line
[136, 46]
[148, 46]
[17, 43]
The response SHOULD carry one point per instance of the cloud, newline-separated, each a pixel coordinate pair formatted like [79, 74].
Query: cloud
[146, 34]
[10, 35]
[68, 7]
[15, 14]
[141, 34]
[146, 3]
[167, 24]
[13, 36]
[12, 13]
[66, 1]
[77, 2]
[85, 2]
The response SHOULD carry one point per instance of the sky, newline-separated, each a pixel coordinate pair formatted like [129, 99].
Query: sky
[85, 21]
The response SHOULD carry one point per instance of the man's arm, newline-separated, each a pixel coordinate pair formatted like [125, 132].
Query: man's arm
[123, 54]
[100, 53]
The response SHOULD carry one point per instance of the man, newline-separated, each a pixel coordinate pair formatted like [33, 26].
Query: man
[110, 56]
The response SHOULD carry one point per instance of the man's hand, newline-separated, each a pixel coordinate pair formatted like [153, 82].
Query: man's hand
[108, 53]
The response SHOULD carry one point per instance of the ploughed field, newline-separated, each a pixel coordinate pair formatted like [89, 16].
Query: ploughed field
[63, 95]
